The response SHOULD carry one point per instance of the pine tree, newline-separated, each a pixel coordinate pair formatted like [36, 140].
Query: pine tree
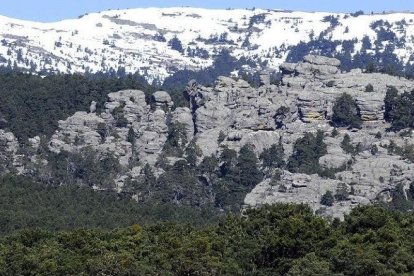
[192, 153]
[274, 156]
[248, 171]
[131, 136]
[306, 153]
[346, 112]
[347, 146]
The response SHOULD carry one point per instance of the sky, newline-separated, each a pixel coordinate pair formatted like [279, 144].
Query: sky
[54, 10]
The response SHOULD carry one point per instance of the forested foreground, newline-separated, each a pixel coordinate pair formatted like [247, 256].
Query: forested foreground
[273, 240]
[26, 204]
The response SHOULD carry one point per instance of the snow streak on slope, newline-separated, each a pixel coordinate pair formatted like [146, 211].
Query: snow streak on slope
[138, 40]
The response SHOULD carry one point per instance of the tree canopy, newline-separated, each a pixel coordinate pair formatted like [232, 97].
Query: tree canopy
[346, 112]
[273, 240]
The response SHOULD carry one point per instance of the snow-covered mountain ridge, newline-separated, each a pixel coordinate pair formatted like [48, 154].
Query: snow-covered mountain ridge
[157, 42]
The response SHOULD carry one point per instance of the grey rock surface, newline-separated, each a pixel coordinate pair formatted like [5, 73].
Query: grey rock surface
[162, 99]
[80, 131]
[11, 159]
[232, 113]
[321, 60]
[315, 84]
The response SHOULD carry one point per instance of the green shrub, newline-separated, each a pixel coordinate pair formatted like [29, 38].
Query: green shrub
[131, 137]
[369, 88]
[102, 131]
[328, 199]
[374, 150]
[342, 193]
[221, 137]
[347, 146]
[121, 121]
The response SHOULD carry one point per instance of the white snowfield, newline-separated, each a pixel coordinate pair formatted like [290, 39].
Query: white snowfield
[138, 39]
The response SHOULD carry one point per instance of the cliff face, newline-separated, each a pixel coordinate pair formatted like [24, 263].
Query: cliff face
[231, 114]
[308, 92]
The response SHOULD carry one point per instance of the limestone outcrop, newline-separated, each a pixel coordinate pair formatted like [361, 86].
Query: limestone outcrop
[10, 158]
[231, 113]
[303, 103]
[108, 132]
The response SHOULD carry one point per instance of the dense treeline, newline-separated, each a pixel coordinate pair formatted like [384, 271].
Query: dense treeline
[220, 182]
[224, 63]
[31, 105]
[25, 204]
[272, 240]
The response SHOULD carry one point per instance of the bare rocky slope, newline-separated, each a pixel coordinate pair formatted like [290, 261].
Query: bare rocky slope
[231, 114]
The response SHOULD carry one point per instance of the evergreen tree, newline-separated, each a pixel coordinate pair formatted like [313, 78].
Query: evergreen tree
[274, 156]
[131, 136]
[102, 131]
[391, 98]
[398, 109]
[247, 173]
[369, 88]
[192, 153]
[228, 161]
[176, 140]
[346, 112]
[208, 165]
[175, 44]
[347, 146]
[306, 153]
[342, 192]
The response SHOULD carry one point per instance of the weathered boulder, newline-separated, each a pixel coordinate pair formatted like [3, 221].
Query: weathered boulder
[264, 78]
[10, 159]
[314, 70]
[131, 102]
[371, 106]
[162, 99]
[184, 116]
[322, 60]
[92, 107]
[312, 67]
[34, 142]
[312, 107]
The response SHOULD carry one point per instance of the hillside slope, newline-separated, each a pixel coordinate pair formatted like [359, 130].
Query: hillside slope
[157, 42]
[330, 139]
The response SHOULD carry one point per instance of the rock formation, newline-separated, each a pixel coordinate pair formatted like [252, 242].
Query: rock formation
[232, 113]
[303, 103]
[10, 158]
